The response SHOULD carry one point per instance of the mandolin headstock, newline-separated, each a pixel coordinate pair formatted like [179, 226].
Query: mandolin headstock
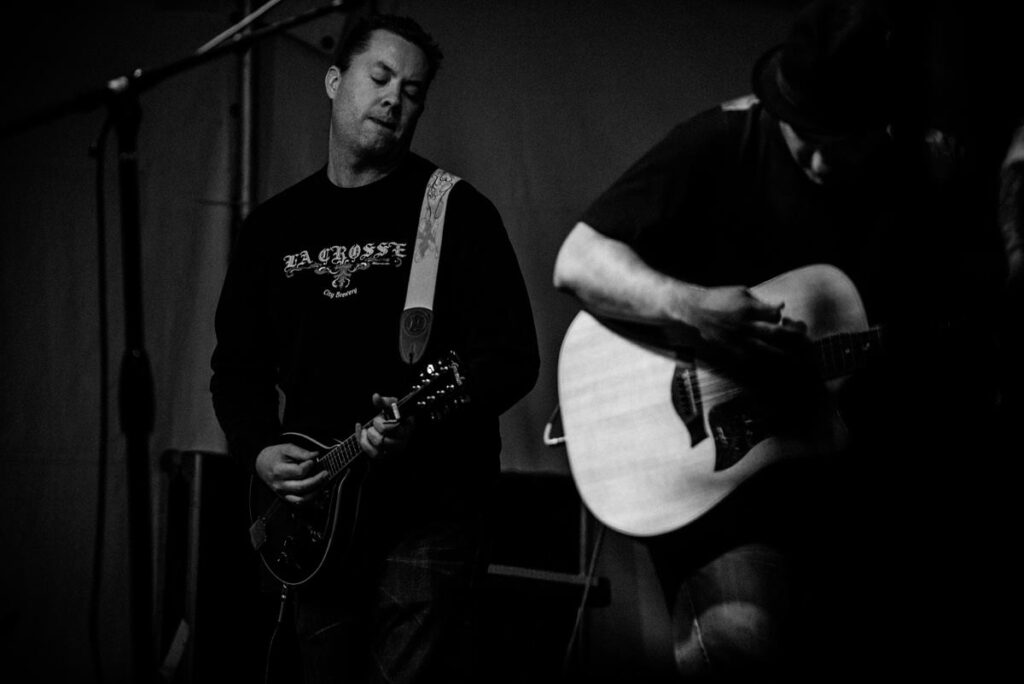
[439, 388]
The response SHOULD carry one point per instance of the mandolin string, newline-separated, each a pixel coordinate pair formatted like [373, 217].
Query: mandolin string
[339, 457]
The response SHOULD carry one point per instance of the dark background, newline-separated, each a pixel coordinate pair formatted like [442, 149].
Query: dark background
[540, 104]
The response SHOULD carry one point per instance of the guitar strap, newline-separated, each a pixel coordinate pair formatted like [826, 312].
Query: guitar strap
[418, 314]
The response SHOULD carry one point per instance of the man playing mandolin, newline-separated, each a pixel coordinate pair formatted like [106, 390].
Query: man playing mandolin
[816, 567]
[325, 300]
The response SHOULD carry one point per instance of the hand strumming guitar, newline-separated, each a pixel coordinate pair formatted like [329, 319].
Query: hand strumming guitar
[290, 472]
[748, 329]
[611, 279]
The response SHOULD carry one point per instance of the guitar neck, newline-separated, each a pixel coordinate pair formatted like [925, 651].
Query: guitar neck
[344, 453]
[341, 456]
[844, 353]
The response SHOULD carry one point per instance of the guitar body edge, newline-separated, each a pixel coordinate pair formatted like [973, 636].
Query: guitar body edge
[296, 540]
[636, 465]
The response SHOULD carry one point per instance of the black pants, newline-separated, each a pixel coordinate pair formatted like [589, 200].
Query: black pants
[397, 612]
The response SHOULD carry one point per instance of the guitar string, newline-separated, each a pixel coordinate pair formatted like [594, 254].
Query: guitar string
[839, 353]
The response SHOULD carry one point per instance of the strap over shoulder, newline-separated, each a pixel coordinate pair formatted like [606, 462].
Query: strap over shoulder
[418, 314]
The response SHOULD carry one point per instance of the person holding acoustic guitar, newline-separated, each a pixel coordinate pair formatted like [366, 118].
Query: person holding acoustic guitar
[821, 207]
[343, 301]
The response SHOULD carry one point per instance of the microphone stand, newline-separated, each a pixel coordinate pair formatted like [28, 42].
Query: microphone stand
[121, 97]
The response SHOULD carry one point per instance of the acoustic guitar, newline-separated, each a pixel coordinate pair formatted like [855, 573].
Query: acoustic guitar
[655, 440]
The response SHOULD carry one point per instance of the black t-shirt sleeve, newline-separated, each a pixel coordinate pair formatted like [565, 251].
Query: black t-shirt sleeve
[650, 205]
[483, 293]
[243, 384]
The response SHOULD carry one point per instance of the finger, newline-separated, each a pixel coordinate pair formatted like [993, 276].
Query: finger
[381, 401]
[794, 334]
[390, 439]
[758, 349]
[383, 426]
[293, 467]
[793, 324]
[310, 484]
[386, 403]
[286, 471]
[395, 433]
[303, 486]
[368, 446]
[760, 308]
[364, 437]
[308, 469]
[771, 313]
[779, 349]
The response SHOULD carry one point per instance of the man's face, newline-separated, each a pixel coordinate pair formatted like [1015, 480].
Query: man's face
[834, 160]
[376, 102]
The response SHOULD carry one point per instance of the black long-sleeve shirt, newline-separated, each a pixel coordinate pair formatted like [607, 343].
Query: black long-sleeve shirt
[308, 325]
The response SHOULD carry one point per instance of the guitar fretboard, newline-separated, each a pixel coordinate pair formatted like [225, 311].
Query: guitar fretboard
[843, 353]
[341, 456]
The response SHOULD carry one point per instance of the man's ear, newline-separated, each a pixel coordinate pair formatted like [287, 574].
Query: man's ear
[331, 80]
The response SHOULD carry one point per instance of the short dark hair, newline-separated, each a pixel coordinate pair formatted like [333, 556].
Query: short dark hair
[356, 39]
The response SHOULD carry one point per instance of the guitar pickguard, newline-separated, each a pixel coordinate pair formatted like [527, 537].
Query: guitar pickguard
[656, 438]
[737, 426]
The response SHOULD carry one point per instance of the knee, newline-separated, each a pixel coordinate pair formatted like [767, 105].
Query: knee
[729, 638]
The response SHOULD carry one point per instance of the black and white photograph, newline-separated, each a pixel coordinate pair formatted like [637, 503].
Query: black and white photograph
[511, 341]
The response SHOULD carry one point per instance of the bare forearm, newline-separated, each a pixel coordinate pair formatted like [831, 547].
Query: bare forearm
[609, 278]
[612, 280]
